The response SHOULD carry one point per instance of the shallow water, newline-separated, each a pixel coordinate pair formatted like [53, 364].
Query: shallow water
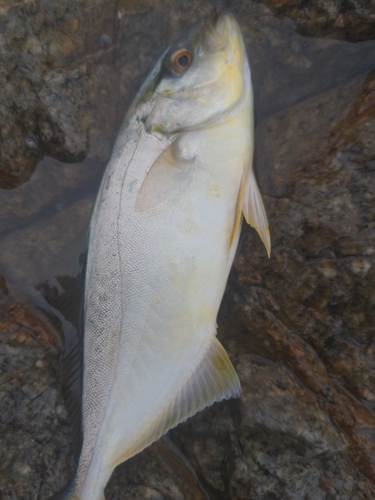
[42, 222]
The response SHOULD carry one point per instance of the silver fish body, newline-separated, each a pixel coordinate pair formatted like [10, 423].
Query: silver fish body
[162, 240]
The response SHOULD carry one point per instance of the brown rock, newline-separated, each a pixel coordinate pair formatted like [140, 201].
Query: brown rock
[352, 20]
[50, 99]
[35, 435]
[311, 306]
[159, 473]
[289, 141]
[68, 72]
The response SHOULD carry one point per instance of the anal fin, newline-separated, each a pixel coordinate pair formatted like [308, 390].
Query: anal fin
[215, 379]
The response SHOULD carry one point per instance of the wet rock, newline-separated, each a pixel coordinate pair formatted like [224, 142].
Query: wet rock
[48, 93]
[270, 390]
[62, 95]
[352, 20]
[35, 434]
[159, 473]
[79, 110]
[311, 306]
[69, 72]
[289, 141]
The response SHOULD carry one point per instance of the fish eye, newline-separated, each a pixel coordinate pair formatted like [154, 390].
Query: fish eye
[181, 60]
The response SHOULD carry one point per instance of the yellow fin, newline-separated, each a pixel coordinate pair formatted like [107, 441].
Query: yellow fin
[254, 211]
[214, 379]
[166, 176]
[238, 214]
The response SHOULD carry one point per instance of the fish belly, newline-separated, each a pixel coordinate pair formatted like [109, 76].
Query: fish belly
[155, 282]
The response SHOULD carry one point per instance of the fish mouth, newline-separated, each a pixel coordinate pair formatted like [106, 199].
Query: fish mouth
[225, 24]
[225, 35]
[221, 33]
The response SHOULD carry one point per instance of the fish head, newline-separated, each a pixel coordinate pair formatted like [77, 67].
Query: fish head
[201, 78]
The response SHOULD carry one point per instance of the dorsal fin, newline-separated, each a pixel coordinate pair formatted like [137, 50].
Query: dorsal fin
[214, 379]
[253, 209]
[237, 221]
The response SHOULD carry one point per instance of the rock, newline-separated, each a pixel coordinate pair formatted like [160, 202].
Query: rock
[48, 93]
[269, 390]
[62, 95]
[69, 72]
[159, 473]
[311, 306]
[352, 20]
[289, 141]
[35, 436]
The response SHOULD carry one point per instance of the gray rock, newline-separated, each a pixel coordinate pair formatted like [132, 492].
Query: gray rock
[47, 88]
[352, 20]
[34, 432]
[311, 305]
[68, 72]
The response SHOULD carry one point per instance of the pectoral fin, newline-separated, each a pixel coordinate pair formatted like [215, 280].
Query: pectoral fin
[166, 177]
[214, 379]
[254, 211]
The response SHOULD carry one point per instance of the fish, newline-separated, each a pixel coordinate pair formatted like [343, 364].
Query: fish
[163, 236]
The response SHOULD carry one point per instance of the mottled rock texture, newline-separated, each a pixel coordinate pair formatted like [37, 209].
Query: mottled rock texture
[34, 432]
[311, 306]
[298, 327]
[54, 75]
[352, 20]
[69, 69]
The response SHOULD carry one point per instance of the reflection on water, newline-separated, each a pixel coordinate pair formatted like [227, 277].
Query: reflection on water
[41, 217]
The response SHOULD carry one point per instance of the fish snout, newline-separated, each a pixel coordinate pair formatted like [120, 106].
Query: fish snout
[228, 27]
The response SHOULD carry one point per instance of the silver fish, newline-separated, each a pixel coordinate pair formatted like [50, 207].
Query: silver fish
[163, 236]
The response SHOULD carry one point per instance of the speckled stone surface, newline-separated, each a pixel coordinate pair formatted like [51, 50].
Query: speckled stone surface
[35, 438]
[352, 20]
[69, 70]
